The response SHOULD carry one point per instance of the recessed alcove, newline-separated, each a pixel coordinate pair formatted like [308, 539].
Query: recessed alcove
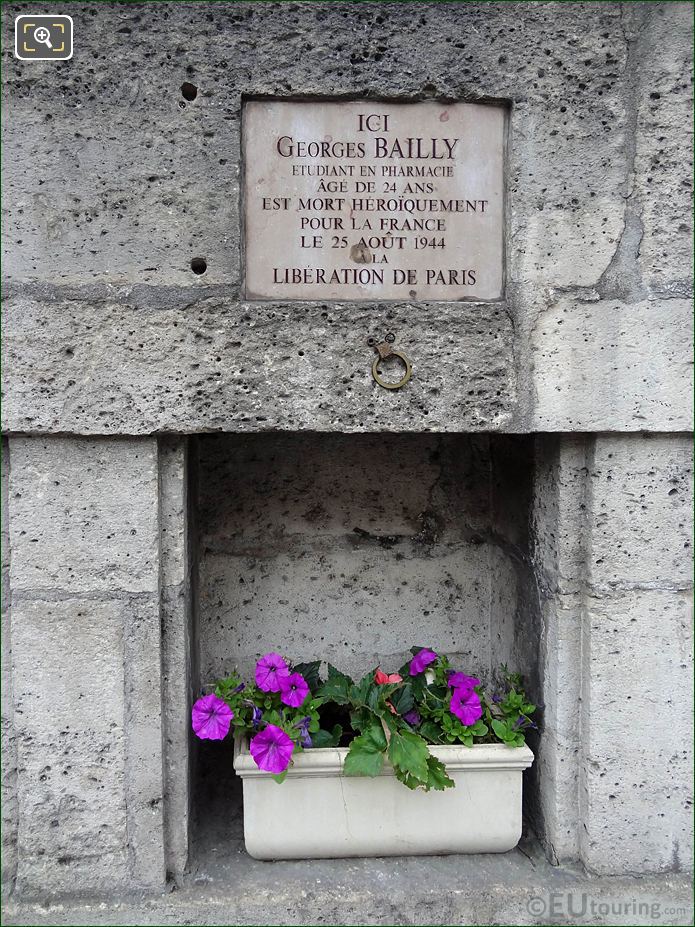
[352, 548]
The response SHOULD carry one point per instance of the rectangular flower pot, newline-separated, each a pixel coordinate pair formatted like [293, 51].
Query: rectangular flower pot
[319, 812]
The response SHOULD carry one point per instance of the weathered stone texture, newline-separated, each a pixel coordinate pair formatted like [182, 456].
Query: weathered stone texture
[636, 789]
[179, 645]
[68, 677]
[606, 362]
[8, 747]
[217, 365]
[558, 556]
[118, 182]
[84, 515]
[612, 529]
[351, 548]
[86, 663]
[663, 177]
[565, 555]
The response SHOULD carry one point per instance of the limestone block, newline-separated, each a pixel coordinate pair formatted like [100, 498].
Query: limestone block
[636, 783]
[84, 515]
[663, 151]
[642, 521]
[179, 646]
[218, 366]
[8, 752]
[604, 365]
[68, 677]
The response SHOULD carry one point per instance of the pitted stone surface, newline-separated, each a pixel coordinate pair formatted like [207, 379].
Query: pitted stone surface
[119, 181]
[352, 548]
[605, 362]
[642, 503]
[84, 515]
[70, 740]
[662, 186]
[217, 365]
[637, 783]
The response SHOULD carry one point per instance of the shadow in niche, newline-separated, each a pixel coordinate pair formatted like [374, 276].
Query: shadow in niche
[322, 541]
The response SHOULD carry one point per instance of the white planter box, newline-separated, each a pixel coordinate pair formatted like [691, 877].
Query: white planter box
[317, 811]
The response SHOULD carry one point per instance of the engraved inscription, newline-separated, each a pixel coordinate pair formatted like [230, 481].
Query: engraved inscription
[366, 200]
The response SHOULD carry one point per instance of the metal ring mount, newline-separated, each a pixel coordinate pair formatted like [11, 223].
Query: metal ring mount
[404, 379]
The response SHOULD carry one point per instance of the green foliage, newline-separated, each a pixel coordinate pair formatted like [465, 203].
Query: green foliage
[374, 715]
[327, 738]
[408, 752]
[336, 688]
[366, 754]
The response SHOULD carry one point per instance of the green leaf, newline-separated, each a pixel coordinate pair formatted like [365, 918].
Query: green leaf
[431, 731]
[324, 738]
[310, 672]
[500, 728]
[438, 778]
[366, 755]
[337, 687]
[402, 699]
[365, 692]
[408, 752]
[410, 781]
[280, 777]
[479, 729]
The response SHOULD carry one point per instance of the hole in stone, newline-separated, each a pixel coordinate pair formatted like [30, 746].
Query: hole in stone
[199, 265]
[189, 91]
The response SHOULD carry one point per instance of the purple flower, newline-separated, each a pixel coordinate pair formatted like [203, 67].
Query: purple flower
[211, 718]
[256, 717]
[422, 660]
[461, 681]
[293, 690]
[304, 736]
[412, 717]
[272, 749]
[465, 704]
[239, 688]
[270, 669]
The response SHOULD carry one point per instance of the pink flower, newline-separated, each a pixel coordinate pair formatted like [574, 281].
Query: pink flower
[293, 689]
[211, 718]
[272, 749]
[270, 669]
[421, 660]
[465, 704]
[461, 681]
[381, 678]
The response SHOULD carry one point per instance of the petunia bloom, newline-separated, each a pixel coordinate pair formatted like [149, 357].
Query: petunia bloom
[381, 678]
[293, 690]
[256, 717]
[304, 735]
[465, 704]
[461, 681]
[272, 749]
[412, 717]
[421, 660]
[211, 718]
[270, 669]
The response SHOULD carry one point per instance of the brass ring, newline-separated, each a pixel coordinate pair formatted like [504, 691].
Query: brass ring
[402, 381]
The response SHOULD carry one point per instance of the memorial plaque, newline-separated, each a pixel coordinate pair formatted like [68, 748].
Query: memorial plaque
[366, 200]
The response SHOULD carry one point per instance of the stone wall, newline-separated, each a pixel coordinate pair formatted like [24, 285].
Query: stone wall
[118, 183]
[350, 548]
[114, 349]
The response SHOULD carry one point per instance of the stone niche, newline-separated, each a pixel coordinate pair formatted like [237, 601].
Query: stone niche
[352, 548]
